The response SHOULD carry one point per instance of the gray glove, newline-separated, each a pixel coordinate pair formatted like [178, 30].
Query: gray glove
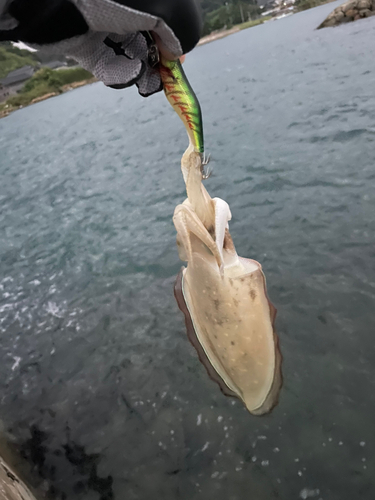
[106, 37]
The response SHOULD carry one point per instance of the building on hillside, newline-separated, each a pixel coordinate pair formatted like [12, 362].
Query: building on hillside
[4, 93]
[16, 79]
[56, 65]
[278, 8]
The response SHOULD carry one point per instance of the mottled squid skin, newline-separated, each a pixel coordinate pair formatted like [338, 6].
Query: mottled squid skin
[228, 316]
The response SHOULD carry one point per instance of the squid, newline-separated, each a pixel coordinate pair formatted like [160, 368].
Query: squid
[229, 318]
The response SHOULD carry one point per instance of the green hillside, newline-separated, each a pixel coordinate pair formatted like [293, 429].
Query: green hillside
[219, 14]
[46, 81]
[12, 58]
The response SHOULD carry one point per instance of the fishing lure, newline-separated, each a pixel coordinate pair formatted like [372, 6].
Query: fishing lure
[184, 101]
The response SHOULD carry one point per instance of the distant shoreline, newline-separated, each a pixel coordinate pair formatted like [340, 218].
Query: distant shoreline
[204, 40]
[218, 35]
[65, 88]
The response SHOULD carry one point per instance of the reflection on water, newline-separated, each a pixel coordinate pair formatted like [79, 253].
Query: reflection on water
[101, 393]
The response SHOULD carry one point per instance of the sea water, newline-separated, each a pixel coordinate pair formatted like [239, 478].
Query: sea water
[102, 396]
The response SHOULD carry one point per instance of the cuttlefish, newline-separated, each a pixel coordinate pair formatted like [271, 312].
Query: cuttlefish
[229, 318]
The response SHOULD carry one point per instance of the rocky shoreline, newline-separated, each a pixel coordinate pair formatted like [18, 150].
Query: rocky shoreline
[349, 11]
[219, 34]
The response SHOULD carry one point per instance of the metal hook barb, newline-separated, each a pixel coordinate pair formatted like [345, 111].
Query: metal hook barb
[205, 160]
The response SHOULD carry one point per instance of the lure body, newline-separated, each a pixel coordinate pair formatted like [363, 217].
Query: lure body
[183, 100]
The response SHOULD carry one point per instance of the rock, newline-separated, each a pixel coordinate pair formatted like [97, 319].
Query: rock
[335, 13]
[351, 13]
[328, 24]
[349, 5]
[339, 15]
[364, 4]
[43, 97]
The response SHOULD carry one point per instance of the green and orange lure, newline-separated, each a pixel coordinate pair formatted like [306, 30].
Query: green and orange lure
[184, 101]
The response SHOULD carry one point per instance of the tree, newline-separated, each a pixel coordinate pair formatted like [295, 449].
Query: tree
[219, 14]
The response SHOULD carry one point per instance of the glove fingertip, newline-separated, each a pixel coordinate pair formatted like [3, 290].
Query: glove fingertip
[147, 93]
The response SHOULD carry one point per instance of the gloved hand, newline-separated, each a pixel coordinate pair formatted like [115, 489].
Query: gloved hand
[106, 37]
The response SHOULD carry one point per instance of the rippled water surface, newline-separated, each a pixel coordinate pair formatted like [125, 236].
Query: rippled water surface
[101, 392]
